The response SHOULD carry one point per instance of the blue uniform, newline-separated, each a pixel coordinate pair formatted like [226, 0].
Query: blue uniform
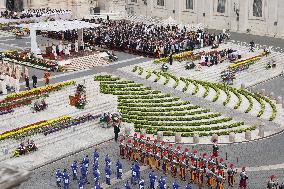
[81, 183]
[188, 186]
[96, 165]
[108, 173]
[96, 174]
[96, 156]
[86, 163]
[97, 186]
[107, 161]
[162, 183]
[141, 184]
[127, 186]
[133, 174]
[74, 168]
[84, 173]
[66, 180]
[58, 175]
[137, 168]
[118, 170]
[175, 185]
[152, 179]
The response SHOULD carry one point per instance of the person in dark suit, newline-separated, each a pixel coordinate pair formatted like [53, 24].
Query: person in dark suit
[116, 131]
[34, 78]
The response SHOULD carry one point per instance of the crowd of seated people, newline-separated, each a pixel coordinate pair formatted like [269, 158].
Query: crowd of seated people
[148, 40]
[30, 13]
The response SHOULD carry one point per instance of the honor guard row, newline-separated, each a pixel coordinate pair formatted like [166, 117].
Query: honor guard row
[199, 169]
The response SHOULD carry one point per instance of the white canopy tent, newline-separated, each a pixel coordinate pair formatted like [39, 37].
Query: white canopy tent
[170, 21]
[62, 25]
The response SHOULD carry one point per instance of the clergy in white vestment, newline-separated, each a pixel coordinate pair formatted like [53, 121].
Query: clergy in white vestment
[60, 49]
[76, 47]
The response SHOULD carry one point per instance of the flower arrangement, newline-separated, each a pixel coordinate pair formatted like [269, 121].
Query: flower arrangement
[29, 129]
[246, 62]
[23, 58]
[188, 55]
[39, 90]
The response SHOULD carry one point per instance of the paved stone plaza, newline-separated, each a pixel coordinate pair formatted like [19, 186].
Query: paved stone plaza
[262, 154]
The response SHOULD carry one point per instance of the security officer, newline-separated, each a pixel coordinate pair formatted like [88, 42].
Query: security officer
[96, 174]
[141, 183]
[58, 175]
[96, 155]
[127, 185]
[162, 183]
[137, 168]
[188, 186]
[65, 179]
[108, 173]
[118, 169]
[81, 183]
[133, 174]
[176, 185]
[74, 168]
[107, 161]
[86, 162]
[84, 173]
[152, 179]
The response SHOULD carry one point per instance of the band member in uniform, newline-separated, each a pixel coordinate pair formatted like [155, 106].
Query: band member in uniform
[220, 180]
[122, 149]
[231, 175]
[272, 184]
[210, 177]
[174, 166]
[182, 168]
[244, 178]
[165, 165]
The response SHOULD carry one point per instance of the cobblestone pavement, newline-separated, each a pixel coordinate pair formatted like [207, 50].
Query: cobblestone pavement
[44, 177]
[275, 85]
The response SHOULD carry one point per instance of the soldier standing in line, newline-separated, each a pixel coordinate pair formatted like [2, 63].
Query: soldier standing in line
[65, 179]
[122, 149]
[108, 174]
[127, 185]
[176, 185]
[58, 175]
[173, 166]
[152, 179]
[244, 178]
[231, 175]
[272, 184]
[96, 155]
[118, 169]
[141, 183]
[74, 168]
[220, 180]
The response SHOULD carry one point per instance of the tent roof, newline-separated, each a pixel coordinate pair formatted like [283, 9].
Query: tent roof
[61, 25]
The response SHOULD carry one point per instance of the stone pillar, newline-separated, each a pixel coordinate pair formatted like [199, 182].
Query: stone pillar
[232, 137]
[2, 4]
[243, 19]
[196, 138]
[80, 37]
[261, 131]
[160, 136]
[177, 138]
[34, 46]
[248, 135]
[279, 100]
[214, 137]
[263, 92]
[143, 132]
[271, 95]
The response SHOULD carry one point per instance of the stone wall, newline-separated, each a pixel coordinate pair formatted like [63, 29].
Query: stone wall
[205, 12]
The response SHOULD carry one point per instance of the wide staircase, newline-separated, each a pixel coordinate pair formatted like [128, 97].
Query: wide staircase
[59, 143]
[85, 62]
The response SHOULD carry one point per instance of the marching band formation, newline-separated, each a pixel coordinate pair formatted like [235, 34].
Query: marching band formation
[203, 170]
